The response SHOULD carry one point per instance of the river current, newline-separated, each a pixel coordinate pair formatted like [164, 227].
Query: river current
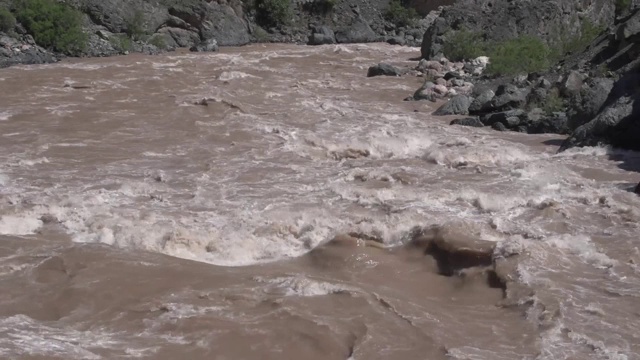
[263, 203]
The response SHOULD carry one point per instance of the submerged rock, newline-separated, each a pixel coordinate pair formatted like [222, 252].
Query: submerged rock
[383, 69]
[474, 122]
[206, 46]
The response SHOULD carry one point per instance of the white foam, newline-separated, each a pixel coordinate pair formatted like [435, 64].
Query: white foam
[582, 246]
[5, 115]
[19, 225]
[232, 75]
[300, 285]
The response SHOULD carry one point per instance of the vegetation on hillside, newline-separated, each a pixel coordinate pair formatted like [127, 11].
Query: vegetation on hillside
[53, 25]
[7, 20]
[400, 15]
[622, 6]
[523, 54]
[273, 13]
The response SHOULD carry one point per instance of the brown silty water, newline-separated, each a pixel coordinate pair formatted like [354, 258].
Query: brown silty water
[273, 202]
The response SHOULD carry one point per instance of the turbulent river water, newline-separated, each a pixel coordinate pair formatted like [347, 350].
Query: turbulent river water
[263, 203]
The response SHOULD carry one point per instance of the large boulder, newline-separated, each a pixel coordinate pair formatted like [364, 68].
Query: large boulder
[618, 121]
[458, 105]
[585, 105]
[358, 32]
[473, 122]
[322, 35]
[509, 97]
[482, 101]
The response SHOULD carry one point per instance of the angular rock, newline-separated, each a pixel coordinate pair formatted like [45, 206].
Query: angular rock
[474, 122]
[458, 105]
[586, 105]
[555, 123]
[358, 32]
[637, 190]
[383, 69]
[482, 102]
[573, 83]
[425, 92]
[322, 35]
[509, 97]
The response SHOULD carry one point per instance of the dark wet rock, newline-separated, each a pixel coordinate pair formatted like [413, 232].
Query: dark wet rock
[452, 75]
[499, 126]
[555, 123]
[458, 105]
[383, 69]
[502, 117]
[508, 97]
[482, 102]
[585, 105]
[637, 190]
[322, 35]
[397, 40]
[206, 46]
[358, 32]
[453, 250]
[473, 122]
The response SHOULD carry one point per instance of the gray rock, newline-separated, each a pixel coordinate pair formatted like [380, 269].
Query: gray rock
[482, 102]
[457, 82]
[585, 105]
[358, 32]
[209, 45]
[180, 37]
[572, 85]
[425, 92]
[509, 97]
[452, 75]
[384, 70]
[474, 122]
[555, 123]
[458, 105]
[322, 35]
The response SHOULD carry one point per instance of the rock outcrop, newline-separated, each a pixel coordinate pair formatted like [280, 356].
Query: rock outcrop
[22, 51]
[498, 20]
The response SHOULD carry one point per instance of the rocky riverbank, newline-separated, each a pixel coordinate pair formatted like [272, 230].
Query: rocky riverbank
[589, 94]
[115, 27]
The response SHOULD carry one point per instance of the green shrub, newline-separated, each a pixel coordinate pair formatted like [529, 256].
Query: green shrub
[272, 13]
[134, 25]
[400, 15]
[524, 54]
[122, 43]
[158, 41]
[622, 6]
[464, 45]
[7, 20]
[53, 25]
[553, 102]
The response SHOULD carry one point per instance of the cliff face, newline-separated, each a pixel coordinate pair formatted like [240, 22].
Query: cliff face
[502, 19]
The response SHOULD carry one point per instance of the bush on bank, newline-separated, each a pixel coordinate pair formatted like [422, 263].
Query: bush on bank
[53, 25]
[400, 15]
[7, 20]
